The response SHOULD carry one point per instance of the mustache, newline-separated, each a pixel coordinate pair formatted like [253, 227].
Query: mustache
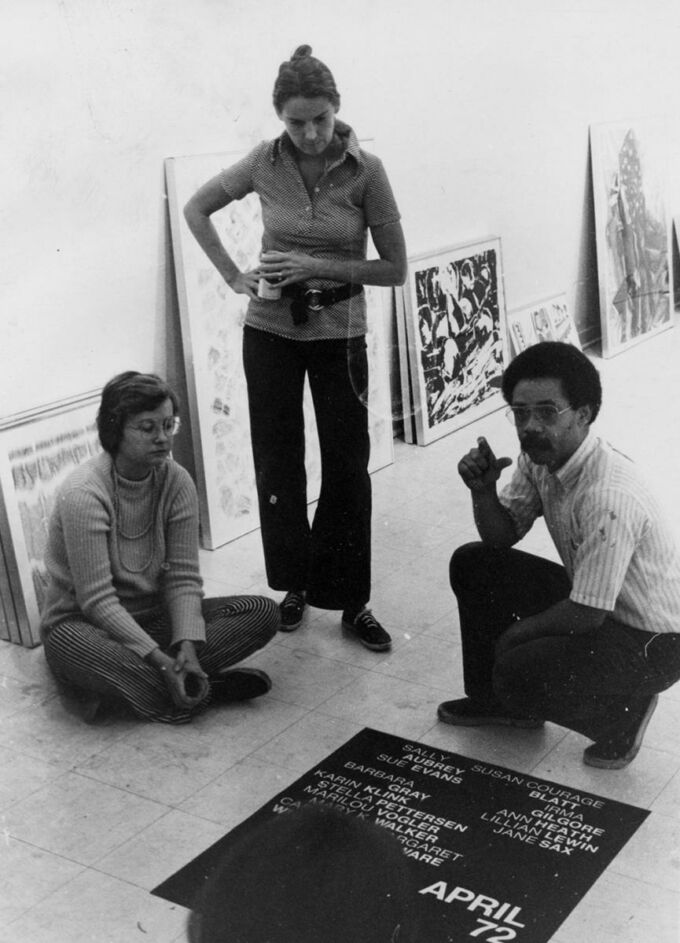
[535, 442]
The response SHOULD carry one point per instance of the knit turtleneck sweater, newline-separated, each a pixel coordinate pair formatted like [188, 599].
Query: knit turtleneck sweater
[120, 552]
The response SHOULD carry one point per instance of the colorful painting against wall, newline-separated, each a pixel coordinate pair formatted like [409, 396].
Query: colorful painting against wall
[455, 316]
[632, 233]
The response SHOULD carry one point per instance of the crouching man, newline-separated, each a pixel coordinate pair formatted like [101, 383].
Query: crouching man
[589, 644]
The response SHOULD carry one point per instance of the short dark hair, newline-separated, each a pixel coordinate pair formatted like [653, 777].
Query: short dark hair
[304, 76]
[313, 873]
[124, 396]
[557, 361]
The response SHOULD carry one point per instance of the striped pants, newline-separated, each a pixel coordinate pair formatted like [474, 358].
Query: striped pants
[87, 658]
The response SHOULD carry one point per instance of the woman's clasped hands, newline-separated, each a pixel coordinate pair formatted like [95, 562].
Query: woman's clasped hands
[186, 681]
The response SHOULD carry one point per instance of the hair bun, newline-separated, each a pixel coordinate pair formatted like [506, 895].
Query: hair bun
[304, 76]
[302, 52]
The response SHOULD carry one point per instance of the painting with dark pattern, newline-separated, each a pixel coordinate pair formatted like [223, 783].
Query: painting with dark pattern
[459, 325]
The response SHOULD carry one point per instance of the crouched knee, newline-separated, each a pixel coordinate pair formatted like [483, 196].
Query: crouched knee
[470, 563]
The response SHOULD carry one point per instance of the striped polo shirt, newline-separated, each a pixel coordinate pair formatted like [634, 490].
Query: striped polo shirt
[609, 531]
[352, 196]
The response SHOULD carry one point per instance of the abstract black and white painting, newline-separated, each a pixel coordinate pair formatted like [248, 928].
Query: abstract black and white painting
[455, 315]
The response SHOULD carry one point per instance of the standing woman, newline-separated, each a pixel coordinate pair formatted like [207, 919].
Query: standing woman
[124, 617]
[320, 195]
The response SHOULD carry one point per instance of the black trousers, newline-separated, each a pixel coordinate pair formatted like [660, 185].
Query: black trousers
[593, 682]
[331, 559]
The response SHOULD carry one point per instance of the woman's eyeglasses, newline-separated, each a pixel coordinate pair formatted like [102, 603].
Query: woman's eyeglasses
[545, 414]
[150, 429]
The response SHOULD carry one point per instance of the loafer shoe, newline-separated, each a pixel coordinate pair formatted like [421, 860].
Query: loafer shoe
[465, 712]
[239, 684]
[368, 630]
[618, 752]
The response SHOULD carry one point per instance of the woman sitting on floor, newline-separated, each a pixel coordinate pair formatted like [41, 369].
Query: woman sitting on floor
[124, 617]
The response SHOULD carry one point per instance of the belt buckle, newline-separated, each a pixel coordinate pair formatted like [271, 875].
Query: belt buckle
[312, 299]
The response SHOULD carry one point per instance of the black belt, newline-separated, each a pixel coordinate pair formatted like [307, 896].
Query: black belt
[304, 300]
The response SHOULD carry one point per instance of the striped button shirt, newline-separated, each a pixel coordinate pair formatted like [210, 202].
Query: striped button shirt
[609, 531]
[352, 196]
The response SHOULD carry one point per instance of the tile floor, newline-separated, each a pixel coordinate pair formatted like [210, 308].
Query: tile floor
[93, 817]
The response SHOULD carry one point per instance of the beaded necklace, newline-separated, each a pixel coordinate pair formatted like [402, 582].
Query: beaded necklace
[150, 526]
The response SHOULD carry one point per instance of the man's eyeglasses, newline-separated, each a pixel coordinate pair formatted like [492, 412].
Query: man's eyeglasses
[150, 429]
[545, 414]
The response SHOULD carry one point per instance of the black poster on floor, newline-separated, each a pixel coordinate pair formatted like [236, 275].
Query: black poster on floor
[494, 855]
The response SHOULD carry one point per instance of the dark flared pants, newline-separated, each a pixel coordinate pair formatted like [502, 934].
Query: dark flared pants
[592, 682]
[331, 559]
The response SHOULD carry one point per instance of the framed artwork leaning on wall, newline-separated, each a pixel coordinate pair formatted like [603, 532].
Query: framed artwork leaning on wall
[38, 450]
[547, 320]
[456, 328]
[632, 228]
[675, 267]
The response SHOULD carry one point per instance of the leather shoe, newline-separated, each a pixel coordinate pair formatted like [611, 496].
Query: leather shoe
[239, 684]
[617, 752]
[465, 712]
